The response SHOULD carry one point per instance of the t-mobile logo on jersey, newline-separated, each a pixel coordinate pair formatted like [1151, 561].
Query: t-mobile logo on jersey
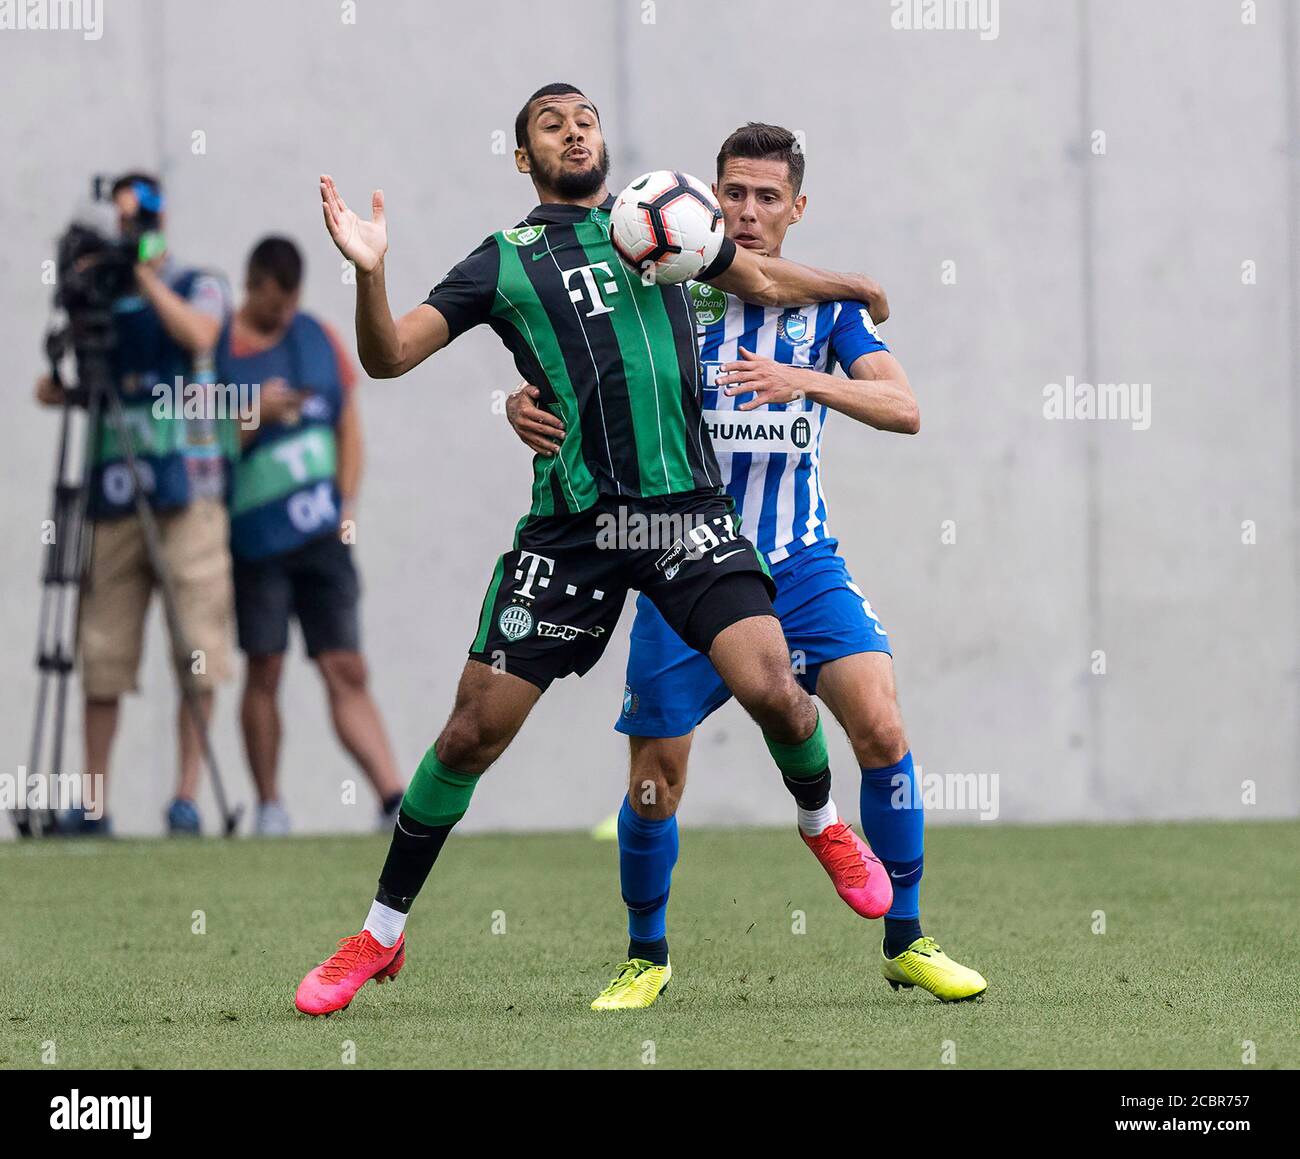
[592, 294]
[530, 565]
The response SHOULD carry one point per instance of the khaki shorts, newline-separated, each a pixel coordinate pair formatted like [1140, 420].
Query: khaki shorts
[119, 582]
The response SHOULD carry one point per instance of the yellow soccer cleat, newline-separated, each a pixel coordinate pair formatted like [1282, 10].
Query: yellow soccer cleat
[636, 985]
[924, 964]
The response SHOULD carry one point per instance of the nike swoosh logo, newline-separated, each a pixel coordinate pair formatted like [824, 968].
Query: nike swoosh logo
[538, 257]
[720, 558]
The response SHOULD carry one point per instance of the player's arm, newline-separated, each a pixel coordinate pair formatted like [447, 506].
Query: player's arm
[767, 281]
[387, 346]
[876, 392]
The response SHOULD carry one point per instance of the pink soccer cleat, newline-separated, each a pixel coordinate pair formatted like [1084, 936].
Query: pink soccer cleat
[859, 877]
[334, 983]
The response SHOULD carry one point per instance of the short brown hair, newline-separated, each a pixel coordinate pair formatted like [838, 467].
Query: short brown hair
[762, 142]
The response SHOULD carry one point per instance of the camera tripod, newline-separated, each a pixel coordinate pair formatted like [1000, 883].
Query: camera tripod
[91, 338]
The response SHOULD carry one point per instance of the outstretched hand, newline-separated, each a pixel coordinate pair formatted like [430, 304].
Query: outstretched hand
[363, 243]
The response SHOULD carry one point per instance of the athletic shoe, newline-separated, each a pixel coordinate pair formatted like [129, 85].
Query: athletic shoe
[272, 820]
[924, 964]
[859, 877]
[637, 984]
[75, 823]
[334, 983]
[183, 818]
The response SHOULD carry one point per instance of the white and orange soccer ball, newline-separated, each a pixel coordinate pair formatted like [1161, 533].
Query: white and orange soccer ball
[667, 226]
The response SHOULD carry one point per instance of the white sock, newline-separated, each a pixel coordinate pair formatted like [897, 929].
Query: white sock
[814, 822]
[385, 924]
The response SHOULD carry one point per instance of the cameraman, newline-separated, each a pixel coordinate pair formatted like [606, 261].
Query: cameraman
[174, 319]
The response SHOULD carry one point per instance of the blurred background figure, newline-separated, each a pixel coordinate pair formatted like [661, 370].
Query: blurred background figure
[163, 332]
[291, 507]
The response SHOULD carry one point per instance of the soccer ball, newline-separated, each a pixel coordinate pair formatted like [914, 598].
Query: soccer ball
[667, 226]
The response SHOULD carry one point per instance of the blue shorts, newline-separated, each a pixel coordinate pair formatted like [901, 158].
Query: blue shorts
[671, 688]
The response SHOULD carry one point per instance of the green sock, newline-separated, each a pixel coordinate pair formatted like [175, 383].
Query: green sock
[803, 761]
[438, 795]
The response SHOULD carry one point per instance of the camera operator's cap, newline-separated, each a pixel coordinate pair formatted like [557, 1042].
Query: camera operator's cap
[148, 196]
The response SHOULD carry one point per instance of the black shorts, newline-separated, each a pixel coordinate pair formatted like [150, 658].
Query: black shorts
[556, 596]
[316, 582]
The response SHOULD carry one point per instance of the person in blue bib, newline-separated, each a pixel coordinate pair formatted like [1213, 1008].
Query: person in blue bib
[164, 335]
[291, 524]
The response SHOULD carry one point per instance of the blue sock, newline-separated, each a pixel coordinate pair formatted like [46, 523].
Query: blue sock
[647, 852]
[897, 837]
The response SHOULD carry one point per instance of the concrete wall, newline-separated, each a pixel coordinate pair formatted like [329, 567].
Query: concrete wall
[923, 148]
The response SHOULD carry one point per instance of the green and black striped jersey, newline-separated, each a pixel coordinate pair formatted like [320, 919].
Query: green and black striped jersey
[614, 358]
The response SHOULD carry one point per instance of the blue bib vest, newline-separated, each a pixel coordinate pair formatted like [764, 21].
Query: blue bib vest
[145, 355]
[284, 492]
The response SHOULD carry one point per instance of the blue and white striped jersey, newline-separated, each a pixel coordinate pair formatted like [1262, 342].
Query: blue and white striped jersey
[770, 456]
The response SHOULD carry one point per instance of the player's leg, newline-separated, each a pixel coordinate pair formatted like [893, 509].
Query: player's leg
[544, 616]
[670, 688]
[490, 709]
[491, 706]
[859, 691]
[647, 853]
[647, 839]
[716, 593]
[751, 655]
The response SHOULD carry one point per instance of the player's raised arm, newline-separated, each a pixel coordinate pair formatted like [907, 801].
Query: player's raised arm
[386, 347]
[767, 281]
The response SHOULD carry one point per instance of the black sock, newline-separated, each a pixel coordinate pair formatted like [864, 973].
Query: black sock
[656, 951]
[414, 849]
[392, 802]
[810, 793]
[899, 934]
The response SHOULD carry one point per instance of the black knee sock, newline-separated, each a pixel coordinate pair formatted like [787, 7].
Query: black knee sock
[810, 793]
[414, 849]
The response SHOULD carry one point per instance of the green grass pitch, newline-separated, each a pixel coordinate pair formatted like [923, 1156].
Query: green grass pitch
[99, 955]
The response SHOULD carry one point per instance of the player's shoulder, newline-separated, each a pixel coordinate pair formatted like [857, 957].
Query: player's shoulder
[855, 313]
